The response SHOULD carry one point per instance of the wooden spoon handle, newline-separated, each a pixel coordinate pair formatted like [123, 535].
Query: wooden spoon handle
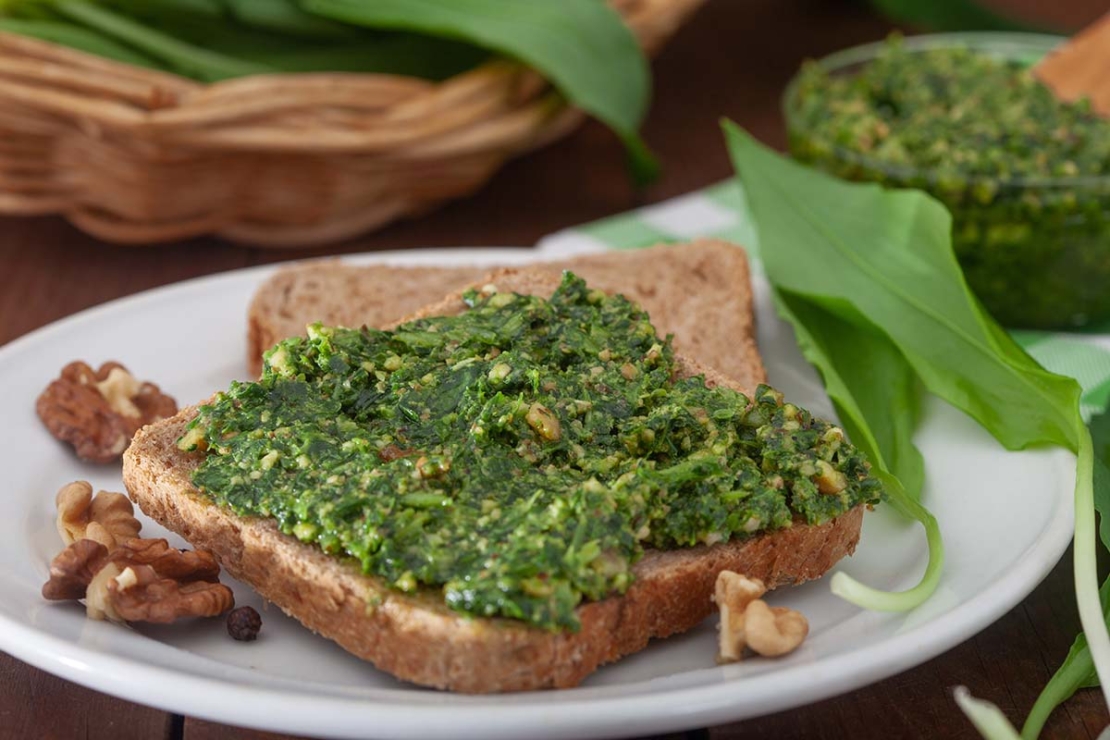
[1081, 67]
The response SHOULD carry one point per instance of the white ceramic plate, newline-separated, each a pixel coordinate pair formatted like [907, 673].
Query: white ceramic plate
[1006, 519]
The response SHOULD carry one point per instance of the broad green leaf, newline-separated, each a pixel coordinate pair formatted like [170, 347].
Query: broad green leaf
[875, 391]
[878, 400]
[888, 253]
[286, 17]
[397, 54]
[582, 46]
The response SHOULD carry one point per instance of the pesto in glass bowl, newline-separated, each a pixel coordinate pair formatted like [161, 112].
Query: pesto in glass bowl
[1025, 176]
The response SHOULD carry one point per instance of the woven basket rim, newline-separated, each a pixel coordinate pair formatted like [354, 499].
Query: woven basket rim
[134, 155]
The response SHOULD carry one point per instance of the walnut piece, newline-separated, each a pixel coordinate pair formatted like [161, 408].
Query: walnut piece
[98, 412]
[107, 518]
[184, 566]
[98, 600]
[73, 569]
[137, 580]
[139, 594]
[773, 631]
[748, 622]
[733, 592]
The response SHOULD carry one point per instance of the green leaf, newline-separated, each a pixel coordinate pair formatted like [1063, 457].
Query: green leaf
[948, 15]
[888, 254]
[396, 54]
[75, 37]
[878, 400]
[582, 46]
[287, 18]
[382, 53]
[179, 56]
[875, 391]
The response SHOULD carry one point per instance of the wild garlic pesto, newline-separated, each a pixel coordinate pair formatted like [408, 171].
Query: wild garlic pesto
[519, 456]
[1025, 175]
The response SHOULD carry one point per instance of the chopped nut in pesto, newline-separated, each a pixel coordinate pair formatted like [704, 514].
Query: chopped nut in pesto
[1026, 176]
[520, 456]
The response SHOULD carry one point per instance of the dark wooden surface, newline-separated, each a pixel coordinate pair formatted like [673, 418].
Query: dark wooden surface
[732, 60]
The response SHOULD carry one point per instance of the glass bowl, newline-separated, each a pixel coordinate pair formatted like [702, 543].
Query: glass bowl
[1035, 251]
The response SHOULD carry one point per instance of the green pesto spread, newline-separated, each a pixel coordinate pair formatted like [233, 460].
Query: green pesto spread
[1026, 176]
[519, 456]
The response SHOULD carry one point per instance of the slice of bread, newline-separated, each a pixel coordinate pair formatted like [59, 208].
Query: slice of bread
[700, 292]
[416, 637]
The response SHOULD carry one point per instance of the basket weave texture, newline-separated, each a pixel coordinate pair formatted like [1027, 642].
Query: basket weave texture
[136, 156]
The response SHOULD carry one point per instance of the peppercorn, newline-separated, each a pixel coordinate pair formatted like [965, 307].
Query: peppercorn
[244, 623]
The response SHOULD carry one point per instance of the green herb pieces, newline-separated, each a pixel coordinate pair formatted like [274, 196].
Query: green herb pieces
[888, 256]
[970, 119]
[581, 46]
[519, 457]
[1025, 175]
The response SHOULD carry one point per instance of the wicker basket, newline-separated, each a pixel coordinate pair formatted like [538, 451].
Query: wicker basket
[135, 156]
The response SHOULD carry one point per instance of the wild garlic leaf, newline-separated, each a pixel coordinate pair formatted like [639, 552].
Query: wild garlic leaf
[875, 391]
[287, 18]
[582, 46]
[888, 253]
[1078, 669]
[878, 399]
[179, 56]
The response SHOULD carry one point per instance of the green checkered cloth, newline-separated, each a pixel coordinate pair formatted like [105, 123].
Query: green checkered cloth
[720, 211]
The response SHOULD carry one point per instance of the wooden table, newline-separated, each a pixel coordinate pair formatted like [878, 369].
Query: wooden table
[733, 60]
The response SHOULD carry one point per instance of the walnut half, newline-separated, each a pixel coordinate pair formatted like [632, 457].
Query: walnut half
[140, 594]
[139, 581]
[748, 622]
[98, 412]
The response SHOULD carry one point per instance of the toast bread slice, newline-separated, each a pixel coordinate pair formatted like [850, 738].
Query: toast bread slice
[681, 286]
[416, 637]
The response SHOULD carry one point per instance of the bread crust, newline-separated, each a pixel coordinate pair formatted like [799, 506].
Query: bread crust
[681, 286]
[416, 637]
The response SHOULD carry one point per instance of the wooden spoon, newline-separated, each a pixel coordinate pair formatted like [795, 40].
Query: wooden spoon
[1081, 67]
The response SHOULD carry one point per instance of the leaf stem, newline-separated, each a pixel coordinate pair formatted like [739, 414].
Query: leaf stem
[851, 590]
[987, 718]
[1086, 567]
